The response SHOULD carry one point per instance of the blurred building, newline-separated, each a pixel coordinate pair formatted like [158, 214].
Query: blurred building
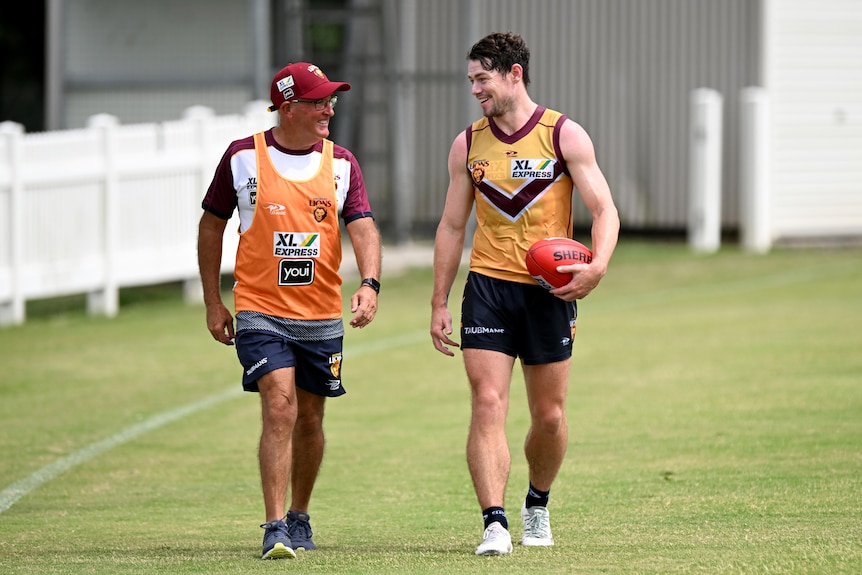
[624, 69]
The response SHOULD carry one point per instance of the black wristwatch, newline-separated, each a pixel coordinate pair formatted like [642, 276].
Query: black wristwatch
[372, 283]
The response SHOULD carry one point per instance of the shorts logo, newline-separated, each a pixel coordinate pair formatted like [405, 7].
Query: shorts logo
[295, 272]
[542, 169]
[255, 367]
[478, 330]
[335, 366]
[296, 244]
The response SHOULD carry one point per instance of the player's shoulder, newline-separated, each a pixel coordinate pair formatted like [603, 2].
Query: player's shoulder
[575, 143]
[339, 152]
[571, 132]
[459, 147]
[563, 120]
[239, 146]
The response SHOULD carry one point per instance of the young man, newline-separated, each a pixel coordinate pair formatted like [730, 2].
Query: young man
[520, 165]
[290, 185]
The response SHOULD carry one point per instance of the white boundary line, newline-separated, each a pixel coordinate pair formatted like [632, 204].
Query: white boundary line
[20, 488]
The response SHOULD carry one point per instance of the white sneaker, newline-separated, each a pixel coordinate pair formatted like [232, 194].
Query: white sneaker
[496, 541]
[537, 527]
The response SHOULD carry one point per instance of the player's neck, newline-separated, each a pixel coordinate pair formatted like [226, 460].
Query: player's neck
[293, 141]
[517, 117]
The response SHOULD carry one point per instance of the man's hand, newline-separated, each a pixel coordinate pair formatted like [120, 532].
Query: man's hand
[441, 329]
[585, 278]
[220, 323]
[363, 304]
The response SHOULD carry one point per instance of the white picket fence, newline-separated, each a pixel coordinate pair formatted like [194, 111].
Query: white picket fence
[109, 206]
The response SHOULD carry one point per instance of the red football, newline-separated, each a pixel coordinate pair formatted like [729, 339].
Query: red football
[545, 255]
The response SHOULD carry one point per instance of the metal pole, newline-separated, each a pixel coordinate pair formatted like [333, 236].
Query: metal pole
[293, 31]
[402, 127]
[470, 31]
[353, 70]
[260, 53]
[54, 68]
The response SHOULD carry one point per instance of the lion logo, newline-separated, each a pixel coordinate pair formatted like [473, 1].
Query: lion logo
[478, 175]
[335, 365]
[320, 213]
[477, 171]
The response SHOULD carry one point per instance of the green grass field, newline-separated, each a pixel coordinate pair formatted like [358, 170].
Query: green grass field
[715, 415]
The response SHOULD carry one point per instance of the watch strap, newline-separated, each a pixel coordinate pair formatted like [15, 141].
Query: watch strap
[372, 283]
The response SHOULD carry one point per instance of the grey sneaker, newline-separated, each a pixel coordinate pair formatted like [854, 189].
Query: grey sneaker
[276, 543]
[299, 530]
[537, 527]
[495, 541]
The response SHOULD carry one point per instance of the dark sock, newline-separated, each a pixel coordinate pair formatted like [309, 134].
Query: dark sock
[493, 514]
[536, 497]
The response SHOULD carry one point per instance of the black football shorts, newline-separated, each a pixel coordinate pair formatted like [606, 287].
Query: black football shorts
[520, 320]
[318, 363]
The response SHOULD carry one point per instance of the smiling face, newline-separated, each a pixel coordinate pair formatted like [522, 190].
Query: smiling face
[493, 90]
[498, 67]
[308, 119]
[301, 124]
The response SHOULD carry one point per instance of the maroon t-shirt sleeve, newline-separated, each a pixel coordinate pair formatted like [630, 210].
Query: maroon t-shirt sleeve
[220, 199]
[356, 204]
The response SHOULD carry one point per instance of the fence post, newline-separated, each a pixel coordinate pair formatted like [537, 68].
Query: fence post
[257, 113]
[13, 311]
[201, 118]
[754, 218]
[704, 215]
[106, 301]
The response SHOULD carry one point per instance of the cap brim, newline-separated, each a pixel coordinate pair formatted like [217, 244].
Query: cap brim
[325, 90]
[318, 92]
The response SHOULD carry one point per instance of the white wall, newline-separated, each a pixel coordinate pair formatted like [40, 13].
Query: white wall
[623, 68]
[144, 60]
[813, 77]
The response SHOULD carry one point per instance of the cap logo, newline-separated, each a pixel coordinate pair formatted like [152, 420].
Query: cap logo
[285, 83]
[317, 71]
[285, 87]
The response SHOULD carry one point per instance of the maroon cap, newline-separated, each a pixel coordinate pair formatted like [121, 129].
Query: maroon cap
[301, 80]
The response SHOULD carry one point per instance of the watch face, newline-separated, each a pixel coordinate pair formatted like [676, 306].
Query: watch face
[372, 283]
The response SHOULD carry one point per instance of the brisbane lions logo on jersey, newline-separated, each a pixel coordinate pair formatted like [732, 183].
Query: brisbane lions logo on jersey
[320, 208]
[477, 170]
